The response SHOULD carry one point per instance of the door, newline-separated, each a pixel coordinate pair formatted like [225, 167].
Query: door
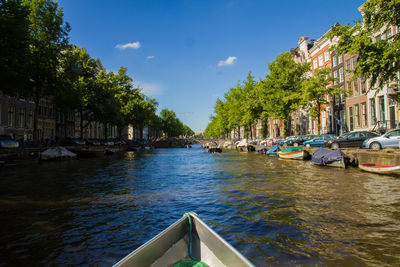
[353, 140]
[392, 114]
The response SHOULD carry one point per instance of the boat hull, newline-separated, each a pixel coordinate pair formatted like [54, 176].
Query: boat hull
[382, 169]
[298, 154]
[170, 246]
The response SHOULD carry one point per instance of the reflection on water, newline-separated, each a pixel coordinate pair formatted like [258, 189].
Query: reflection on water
[95, 211]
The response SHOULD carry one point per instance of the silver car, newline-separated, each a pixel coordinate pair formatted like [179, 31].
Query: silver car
[389, 139]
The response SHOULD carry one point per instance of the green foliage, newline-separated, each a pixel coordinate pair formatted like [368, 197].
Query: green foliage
[14, 45]
[314, 93]
[172, 125]
[281, 90]
[48, 37]
[377, 58]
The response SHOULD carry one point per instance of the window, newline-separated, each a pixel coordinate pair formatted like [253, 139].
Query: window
[377, 38]
[326, 56]
[348, 64]
[354, 62]
[351, 119]
[30, 119]
[363, 114]
[357, 114]
[315, 63]
[341, 75]
[334, 61]
[340, 59]
[335, 77]
[363, 87]
[11, 116]
[353, 136]
[355, 87]
[389, 32]
[394, 133]
[320, 61]
[22, 118]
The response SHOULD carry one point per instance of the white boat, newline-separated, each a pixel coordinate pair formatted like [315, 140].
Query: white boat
[293, 153]
[377, 168]
[57, 153]
[179, 245]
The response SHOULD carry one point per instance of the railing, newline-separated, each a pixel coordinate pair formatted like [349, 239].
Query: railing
[383, 125]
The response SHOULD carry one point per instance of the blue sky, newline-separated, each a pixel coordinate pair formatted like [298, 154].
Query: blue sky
[186, 53]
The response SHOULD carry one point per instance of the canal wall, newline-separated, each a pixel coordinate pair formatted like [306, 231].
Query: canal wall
[388, 156]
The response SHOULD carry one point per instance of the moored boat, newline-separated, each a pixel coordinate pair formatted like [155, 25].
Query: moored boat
[332, 158]
[273, 151]
[187, 241]
[57, 153]
[293, 153]
[377, 168]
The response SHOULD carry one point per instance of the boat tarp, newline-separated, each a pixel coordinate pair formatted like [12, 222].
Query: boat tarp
[57, 152]
[323, 156]
[274, 149]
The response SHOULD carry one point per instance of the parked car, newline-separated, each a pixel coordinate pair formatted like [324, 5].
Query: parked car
[389, 139]
[299, 140]
[7, 142]
[352, 139]
[318, 141]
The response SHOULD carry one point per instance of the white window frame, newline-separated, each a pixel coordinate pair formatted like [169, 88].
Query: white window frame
[341, 75]
[340, 59]
[320, 60]
[315, 63]
[334, 61]
[326, 56]
[335, 77]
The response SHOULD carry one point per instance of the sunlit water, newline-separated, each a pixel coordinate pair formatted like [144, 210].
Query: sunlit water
[95, 211]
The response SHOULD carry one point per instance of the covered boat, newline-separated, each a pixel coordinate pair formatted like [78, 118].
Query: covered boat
[293, 153]
[186, 242]
[57, 153]
[377, 168]
[333, 158]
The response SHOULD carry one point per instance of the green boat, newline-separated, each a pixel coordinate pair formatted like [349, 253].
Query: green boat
[179, 245]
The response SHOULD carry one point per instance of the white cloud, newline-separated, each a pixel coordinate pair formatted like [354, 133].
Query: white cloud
[134, 45]
[150, 57]
[151, 89]
[228, 61]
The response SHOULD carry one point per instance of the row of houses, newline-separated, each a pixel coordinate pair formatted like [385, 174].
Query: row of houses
[364, 108]
[17, 118]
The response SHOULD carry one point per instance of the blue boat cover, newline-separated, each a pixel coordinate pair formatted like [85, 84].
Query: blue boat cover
[272, 149]
[323, 156]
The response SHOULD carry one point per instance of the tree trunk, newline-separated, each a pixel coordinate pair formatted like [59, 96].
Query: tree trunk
[319, 119]
[81, 123]
[36, 120]
[284, 128]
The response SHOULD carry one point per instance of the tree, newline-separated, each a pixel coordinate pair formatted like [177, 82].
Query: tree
[282, 87]
[14, 45]
[78, 84]
[170, 123]
[314, 92]
[48, 38]
[378, 57]
[250, 108]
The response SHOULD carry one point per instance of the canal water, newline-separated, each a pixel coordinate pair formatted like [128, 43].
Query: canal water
[275, 212]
